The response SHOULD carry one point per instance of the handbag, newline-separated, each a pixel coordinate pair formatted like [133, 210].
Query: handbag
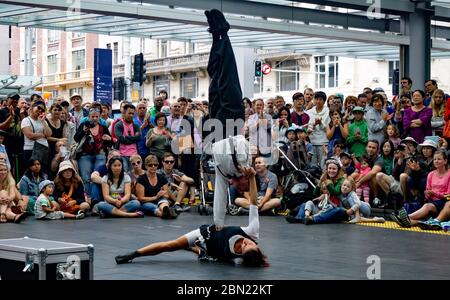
[446, 132]
[75, 149]
[40, 152]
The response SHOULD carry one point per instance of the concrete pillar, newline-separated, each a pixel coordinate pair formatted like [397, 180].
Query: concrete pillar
[419, 51]
[28, 51]
[246, 69]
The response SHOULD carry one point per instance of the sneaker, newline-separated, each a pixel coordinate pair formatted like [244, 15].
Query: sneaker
[177, 208]
[430, 224]
[403, 216]
[293, 220]
[126, 258]
[376, 202]
[173, 214]
[396, 219]
[185, 208]
[243, 211]
[80, 215]
[445, 226]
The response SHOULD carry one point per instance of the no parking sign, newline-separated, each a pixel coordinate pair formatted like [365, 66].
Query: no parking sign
[266, 69]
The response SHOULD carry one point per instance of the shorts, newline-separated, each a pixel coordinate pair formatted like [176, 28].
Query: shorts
[55, 215]
[439, 204]
[395, 186]
[193, 236]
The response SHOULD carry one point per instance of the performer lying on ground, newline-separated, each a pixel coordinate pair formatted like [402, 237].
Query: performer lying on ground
[230, 243]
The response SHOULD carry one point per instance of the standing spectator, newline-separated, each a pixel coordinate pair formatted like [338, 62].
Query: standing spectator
[318, 121]
[160, 137]
[58, 127]
[71, 129]
[116, 188]
[11, 118]
[269, 107]
[349, 104]
[247, 103]
[362, 101]
[105, 115]
[336, 130]
[309, 95]
[438, 101]
[36, 130]
[358, 133]
[95, 147]
[279, 103]
[417, 119]
[259, 129]
[156, 108]
[393, 135]
[377, 118]
[77, 111]
[430, 86]
[128, 135]
[369, 94]
[142, 121]
[163, 94]
[152, 191]
[299, 117]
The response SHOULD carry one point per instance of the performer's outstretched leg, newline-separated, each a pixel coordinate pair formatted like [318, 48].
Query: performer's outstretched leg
[225, 95]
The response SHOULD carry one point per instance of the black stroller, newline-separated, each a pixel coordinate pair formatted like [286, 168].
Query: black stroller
[207, 181]
[298, 186]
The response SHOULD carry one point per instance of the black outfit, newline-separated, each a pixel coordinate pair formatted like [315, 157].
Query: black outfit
[14, 142]
[152, 190]
[225, 94]
[218, 242]
[57, 133]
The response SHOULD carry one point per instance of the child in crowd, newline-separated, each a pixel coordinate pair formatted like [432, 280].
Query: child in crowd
[290, 134]
[45, 208]
[318, 205]
[358, 211]
[363, 168]
[302, 135]
[338, 149]
[393, 134]
[347, 163]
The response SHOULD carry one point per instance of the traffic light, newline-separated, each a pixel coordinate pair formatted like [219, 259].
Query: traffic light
[119, 85]
[258, 72]
[396, 82]
[139, 69]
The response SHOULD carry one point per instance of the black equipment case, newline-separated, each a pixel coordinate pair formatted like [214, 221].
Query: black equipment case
[36, 259]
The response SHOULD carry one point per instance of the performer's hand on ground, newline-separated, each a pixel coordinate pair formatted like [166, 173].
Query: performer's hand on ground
[219, 227]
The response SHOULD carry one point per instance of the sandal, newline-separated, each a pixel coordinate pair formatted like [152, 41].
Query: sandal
[3, 218]
[20, 218]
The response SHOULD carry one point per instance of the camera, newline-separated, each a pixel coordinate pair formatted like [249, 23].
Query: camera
[89, 124]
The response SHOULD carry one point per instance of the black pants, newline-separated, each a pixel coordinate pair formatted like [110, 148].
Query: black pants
[225, 95]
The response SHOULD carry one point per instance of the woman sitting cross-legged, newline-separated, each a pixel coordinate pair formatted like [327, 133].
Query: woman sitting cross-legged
[29, 184]
[232, 242]
[438, 186]
[116, 188]
[8, 194]
[152, 191]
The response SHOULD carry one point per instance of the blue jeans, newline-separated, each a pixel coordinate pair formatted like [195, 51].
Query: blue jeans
[87, 164]
[150, 208]
[107, 208]
[96, 193]
[334, 215]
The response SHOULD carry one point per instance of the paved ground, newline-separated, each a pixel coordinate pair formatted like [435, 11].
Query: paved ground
[295, 251]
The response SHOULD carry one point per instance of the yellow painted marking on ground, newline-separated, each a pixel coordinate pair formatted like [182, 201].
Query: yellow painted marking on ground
[393, 225]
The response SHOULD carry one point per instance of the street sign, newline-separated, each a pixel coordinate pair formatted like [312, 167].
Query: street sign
[103, 87]
[266, 69]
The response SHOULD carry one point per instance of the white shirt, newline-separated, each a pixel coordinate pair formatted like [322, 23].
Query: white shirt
[37, 127]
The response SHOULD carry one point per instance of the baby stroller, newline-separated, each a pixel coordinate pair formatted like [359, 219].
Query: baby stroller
[207, 181]
[298, 186]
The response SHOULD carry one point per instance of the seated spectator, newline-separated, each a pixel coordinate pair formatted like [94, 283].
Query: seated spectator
[178, 183]
[302, 135]
[46, 209]
[438, 186]
[152, 191]
[358, 211]
[338, 148]
[96, 178]
[136, 171]
[3, 135]
[267, 187]
[358, 133]
[347, 163]
[332, 178]
[116, 188]
[317, 206]
[69, 190]
[438, 223]
[8, 194]
[29, 184]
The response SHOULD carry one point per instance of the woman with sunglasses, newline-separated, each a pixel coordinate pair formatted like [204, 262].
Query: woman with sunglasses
[35, 130]
[152, 191]
[136, 171]
[58, 127]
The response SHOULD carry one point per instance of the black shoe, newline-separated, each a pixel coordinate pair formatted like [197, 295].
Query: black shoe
[308, 220]
[218, 25]
[293, 220]
[165, 213]
[177, 208]
[126, 258]
[172, 213]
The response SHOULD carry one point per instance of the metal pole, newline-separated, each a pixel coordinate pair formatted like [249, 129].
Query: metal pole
[127, 58]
